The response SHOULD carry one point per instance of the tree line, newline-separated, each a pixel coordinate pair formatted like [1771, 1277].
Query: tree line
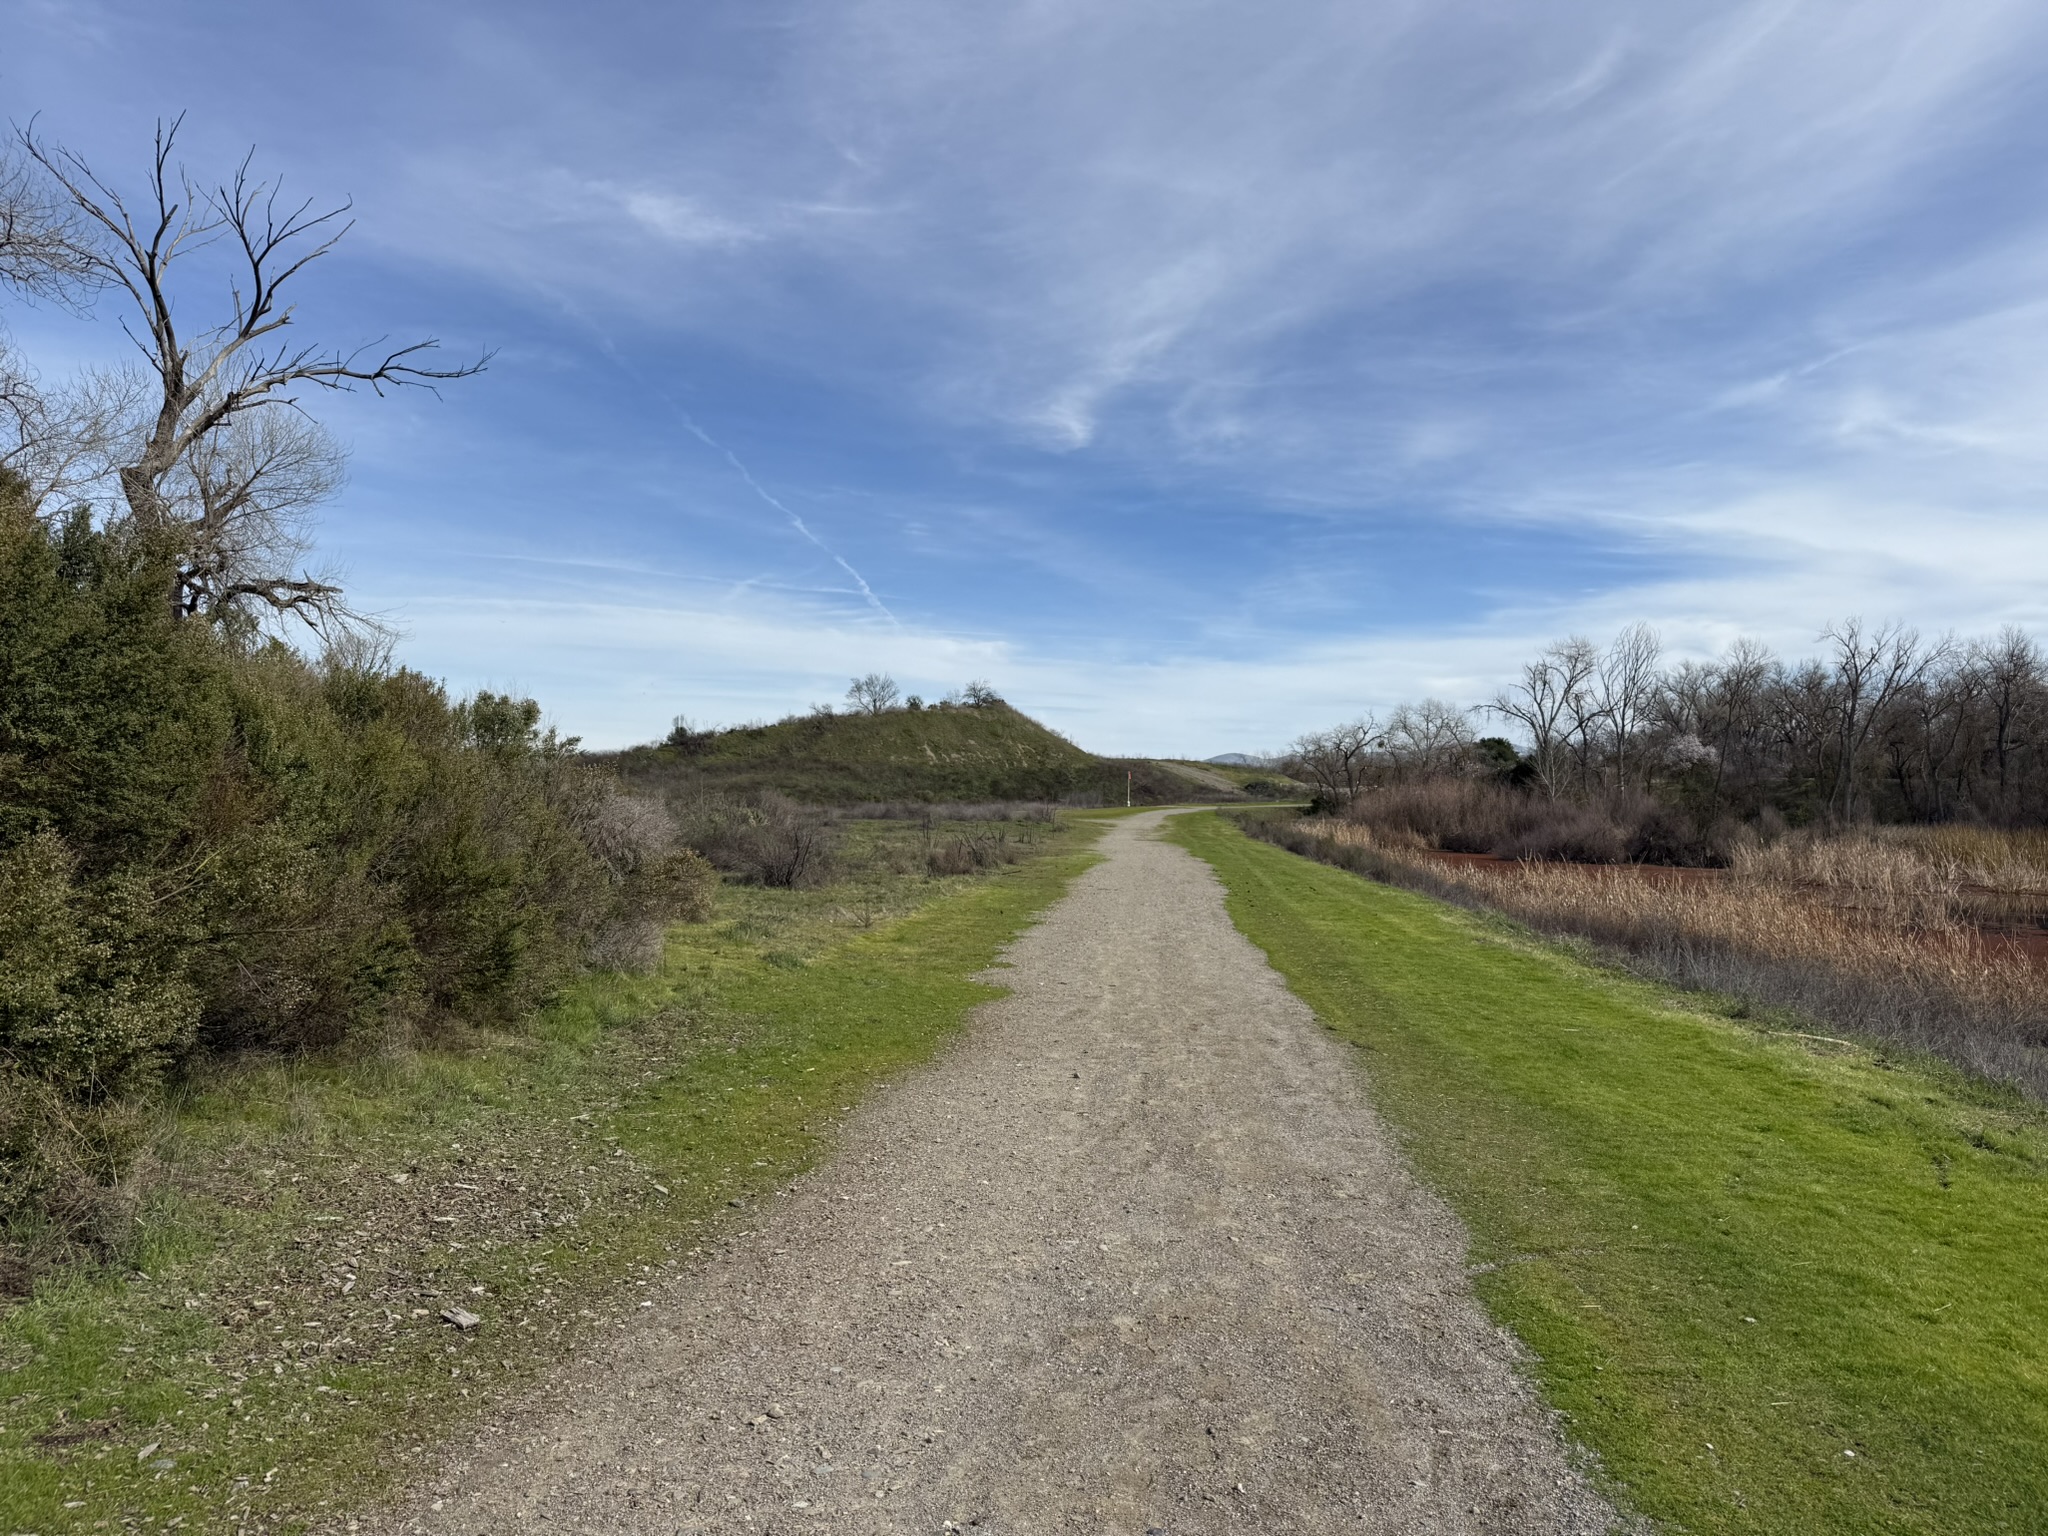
[1882, 725]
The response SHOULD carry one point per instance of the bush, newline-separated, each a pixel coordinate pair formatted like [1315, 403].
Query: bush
[764, 838]
[1479, 816]
[972, 850]
[208, 846]
[91, 997]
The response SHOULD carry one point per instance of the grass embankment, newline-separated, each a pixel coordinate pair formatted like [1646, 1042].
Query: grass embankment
[1777, 1284]
[280, 1350]
[1871, 933]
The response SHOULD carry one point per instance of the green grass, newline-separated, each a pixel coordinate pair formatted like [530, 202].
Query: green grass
[949, 754]
[1270, 783]
[1739, 1258]
[280, 1342]
[945, 755]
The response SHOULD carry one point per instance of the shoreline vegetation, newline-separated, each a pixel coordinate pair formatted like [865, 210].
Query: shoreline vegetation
[1900, 936]
[1860, 836]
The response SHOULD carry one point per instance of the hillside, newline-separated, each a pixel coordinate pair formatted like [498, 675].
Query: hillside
[941, 753]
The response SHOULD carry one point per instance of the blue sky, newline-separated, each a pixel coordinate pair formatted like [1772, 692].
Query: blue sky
[1198, 373]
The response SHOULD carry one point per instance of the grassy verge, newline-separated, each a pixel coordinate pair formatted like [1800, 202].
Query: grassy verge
[280, 1349]
[1778, 1284]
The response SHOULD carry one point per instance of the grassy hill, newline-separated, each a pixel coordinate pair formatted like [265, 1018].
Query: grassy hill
[1259, 783]
[944, 752]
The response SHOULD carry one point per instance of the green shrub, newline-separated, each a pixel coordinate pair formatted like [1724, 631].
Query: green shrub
[90, 997]
[209, 844]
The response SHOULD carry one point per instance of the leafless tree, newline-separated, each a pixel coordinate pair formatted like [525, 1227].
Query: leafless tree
[1428, 739]
[873, 694]
[1871, 667]
[1625, 692]
[1884, 727]
[51, 441]
[1336, 761]
[1553, 702]
[223, 461]
[44, 251]
[60, 440]
[2016, 678]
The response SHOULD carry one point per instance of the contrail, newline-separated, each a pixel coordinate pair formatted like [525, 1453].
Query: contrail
[796, 522]
[604, 343]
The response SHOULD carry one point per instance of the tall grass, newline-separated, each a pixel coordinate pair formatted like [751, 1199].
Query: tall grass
[1481, 816]
[1876, 934]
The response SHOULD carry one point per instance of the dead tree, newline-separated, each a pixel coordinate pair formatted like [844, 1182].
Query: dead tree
[224, 462]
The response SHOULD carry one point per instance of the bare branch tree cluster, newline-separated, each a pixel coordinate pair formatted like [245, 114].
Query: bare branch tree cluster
[206, 441]
[1337, 761]
[1883, 725]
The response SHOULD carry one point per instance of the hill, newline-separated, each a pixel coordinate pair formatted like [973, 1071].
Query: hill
[944, 752]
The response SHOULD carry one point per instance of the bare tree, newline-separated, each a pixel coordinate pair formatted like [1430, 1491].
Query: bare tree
[223, 462]
[1554, 704]
[1336, 761]
[1427, 739]
[2016, 677]
[51, 441]
[1626, 691]
[873, 694]
[1885, 728]
[60, 441]
[1871, 669]
[43, 250]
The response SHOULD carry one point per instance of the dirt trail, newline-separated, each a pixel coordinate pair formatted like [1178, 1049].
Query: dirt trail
[1134, 1256]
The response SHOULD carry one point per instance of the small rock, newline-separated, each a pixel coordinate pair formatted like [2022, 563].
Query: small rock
[775, 1411]
[461, 1318]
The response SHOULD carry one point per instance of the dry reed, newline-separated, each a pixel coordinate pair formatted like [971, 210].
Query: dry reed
[1872, 933]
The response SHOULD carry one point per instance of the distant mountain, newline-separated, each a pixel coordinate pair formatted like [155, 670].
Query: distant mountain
[1238, 760]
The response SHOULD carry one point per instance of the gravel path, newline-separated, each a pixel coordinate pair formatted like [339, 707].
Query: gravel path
[1134, 1256]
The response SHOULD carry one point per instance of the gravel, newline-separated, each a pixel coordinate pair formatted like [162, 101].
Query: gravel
[1134, 1256]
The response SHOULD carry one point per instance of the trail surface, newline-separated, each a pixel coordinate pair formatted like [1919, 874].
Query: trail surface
[1134, 1256]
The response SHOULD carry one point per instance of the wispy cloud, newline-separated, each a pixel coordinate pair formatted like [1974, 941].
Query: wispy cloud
[1206, 366]
[860, 582]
